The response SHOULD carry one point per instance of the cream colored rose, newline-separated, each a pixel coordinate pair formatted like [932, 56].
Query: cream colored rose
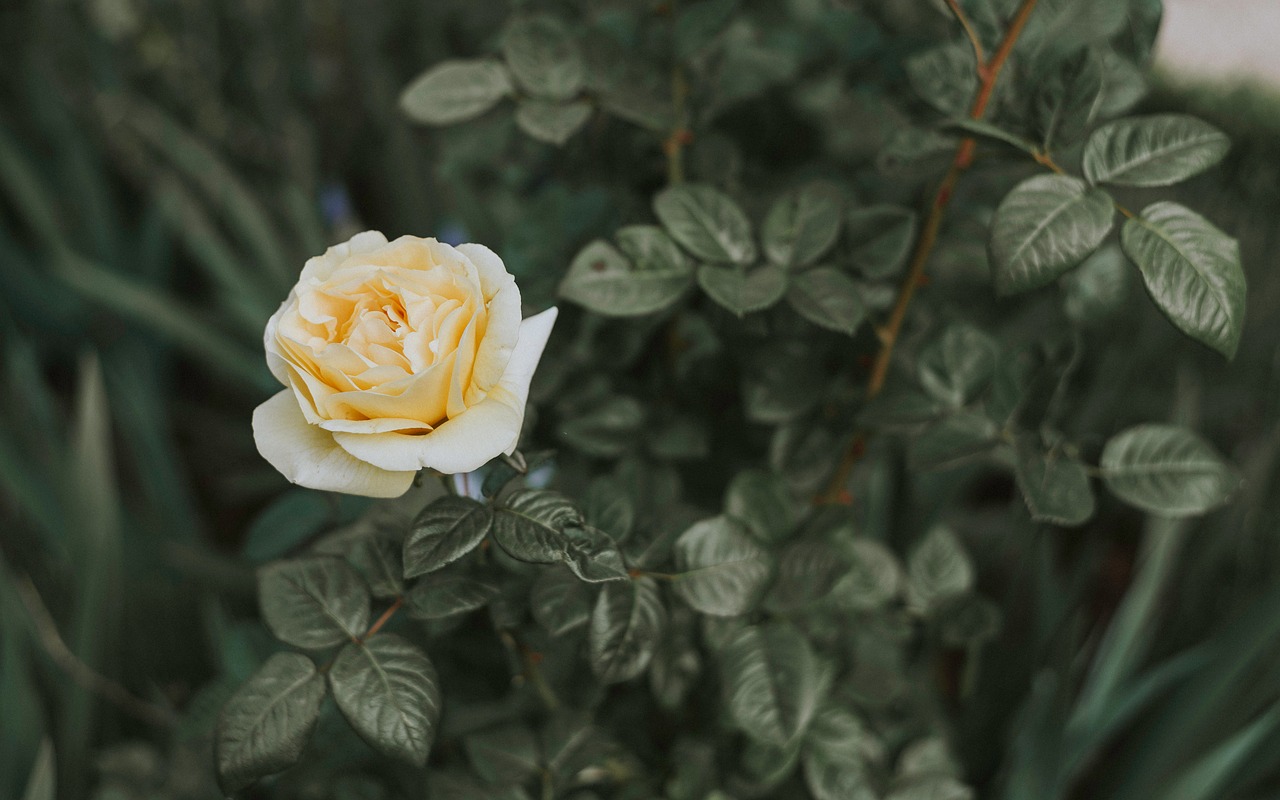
[398, 356]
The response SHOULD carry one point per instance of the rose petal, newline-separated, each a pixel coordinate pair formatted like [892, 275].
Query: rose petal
[309, 456]
[472, 438]
[323, 266]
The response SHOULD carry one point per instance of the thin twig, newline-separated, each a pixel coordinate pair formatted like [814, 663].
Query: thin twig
[988, 75]
[969, 31]
[80, 672]
[384, 619]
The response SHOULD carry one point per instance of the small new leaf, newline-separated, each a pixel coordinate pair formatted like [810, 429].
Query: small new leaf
[957, 365]
[1055, 485]
[1155, 150]
[1192, 271]
[313, 603]
[1167, 470]
[552, 122]
[388, 690]
[1044, 227]
[268, 721]
[938, 569]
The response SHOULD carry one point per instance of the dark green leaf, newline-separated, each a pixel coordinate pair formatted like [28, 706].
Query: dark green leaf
[608, 507]
[652, 274]
[1044, 227]
[443, 532]
[268, 721]
[699, 23]
[530, 525]
[313, 603]
[377, 558]
[742, 291]
[968, 620]
[721, 571]
[388, 690]
[946, 77]
[1155, 150]
[1167, 470]
[552, 122]
[835, 756]
[803, 225]
[1055, 485]
[938, 569]
[1069, 101]
[957, 365]
[626, 626]
[1192, 271]
[874, 579]
[1099, 288]
[958, 438]
[707, 223]
[761, 500]
[543, 57]
[775, 682]
[507, 754]
[560, 601]
[986, 130]
[593, 556]
[882, 237]
[455, 91]
[807, 570]
[606, 429]
[827, 298]
[443, 595]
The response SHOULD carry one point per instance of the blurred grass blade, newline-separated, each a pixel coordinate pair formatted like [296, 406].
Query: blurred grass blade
[42, 783]
[150, 309]
[1209, 777]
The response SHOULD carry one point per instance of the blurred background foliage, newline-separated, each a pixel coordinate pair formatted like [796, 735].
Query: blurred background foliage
[167, 165]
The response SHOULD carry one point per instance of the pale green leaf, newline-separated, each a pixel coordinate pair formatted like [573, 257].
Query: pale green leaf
[957, 365]
[720, 570]
[455, 91]
[743, 292]
[1154, 150]
[707, 223]
[543, 57]
[1167, 470]
[552, 122]
[775, 682]
[827, 298]
[607, 282]
[803, 224]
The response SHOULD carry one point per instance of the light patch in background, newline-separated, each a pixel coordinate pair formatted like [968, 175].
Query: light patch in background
[1226, 40]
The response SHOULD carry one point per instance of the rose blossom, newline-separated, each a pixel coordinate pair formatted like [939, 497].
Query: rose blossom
[397, 356]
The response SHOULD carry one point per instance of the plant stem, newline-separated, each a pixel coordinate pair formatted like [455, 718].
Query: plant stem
[969, 31]
[988, 75]
[383, 620]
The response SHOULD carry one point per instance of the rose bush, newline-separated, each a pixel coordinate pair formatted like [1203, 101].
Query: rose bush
[397, 356]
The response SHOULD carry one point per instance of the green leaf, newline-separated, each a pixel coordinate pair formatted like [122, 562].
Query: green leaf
[775, 682]
[707, 223]
[455, 91]
[720, 570]
[1192, 271]
[377, 558]
[313, 603]
[1166, 470]
[957, 365]
[1055, 485]
[388, 690]
[1155, 150]
[743, 292]
[1099, 288]
[952, 441]
[440, 596]
[977, 127]
[967, 620]
[626, 626]
[1070, 100]
[559, 601]
[807, 570]
[267, 722]
[552, 122]
[543, 57]
[444, 532]
[827, 298]
[882, 237]
[1044, 227]
[938, 569]
[945, 76]
[803, 224]
[593, 556]
[507, 754]
[676, 664]
[42, 782]
[606, 429]
[530, 526]
[607, 506]
[761, 500]
[699, 23]
[835, 754]
[650, 274]
[874, 579]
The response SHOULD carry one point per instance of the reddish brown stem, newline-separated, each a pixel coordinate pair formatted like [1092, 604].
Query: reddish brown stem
[383, 620]
[988, 75]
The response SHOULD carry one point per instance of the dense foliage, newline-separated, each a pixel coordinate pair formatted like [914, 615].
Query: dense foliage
[903, 434]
